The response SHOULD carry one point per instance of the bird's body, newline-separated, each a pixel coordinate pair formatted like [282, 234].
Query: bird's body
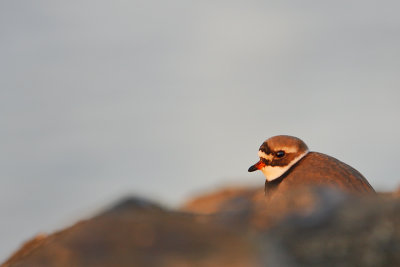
[317, 169]
[287, 164]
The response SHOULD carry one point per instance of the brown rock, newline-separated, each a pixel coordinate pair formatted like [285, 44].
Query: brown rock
[138, 233]
[222, 200]
[356, 232]
[307, 227]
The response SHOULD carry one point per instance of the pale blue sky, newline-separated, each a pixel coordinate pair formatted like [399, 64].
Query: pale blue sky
[163, 99]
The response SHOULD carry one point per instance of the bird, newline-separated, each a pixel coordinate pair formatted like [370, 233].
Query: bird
[287, 163]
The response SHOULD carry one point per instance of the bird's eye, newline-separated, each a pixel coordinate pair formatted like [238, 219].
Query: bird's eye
[280, 154]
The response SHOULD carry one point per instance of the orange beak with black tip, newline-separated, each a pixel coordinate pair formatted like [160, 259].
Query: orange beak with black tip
[258, 166]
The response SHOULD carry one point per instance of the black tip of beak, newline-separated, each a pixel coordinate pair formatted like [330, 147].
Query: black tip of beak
[253, 168]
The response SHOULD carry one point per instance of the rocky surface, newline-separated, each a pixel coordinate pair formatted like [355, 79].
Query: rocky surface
[356, 232]
[231, 227]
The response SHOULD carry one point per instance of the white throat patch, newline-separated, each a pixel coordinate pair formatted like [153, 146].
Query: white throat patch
[274, 172]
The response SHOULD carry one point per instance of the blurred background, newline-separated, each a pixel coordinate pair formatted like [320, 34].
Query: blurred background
[165, 99]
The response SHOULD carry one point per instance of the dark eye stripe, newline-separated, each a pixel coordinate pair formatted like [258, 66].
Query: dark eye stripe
[283, 161]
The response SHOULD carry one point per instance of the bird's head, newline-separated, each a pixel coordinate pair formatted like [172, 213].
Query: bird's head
[277, 154]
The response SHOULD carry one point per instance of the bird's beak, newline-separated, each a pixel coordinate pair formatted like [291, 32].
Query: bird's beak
[259, 165]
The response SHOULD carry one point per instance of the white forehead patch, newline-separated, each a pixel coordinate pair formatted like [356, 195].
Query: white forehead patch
[274, 172]
[264, 156]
